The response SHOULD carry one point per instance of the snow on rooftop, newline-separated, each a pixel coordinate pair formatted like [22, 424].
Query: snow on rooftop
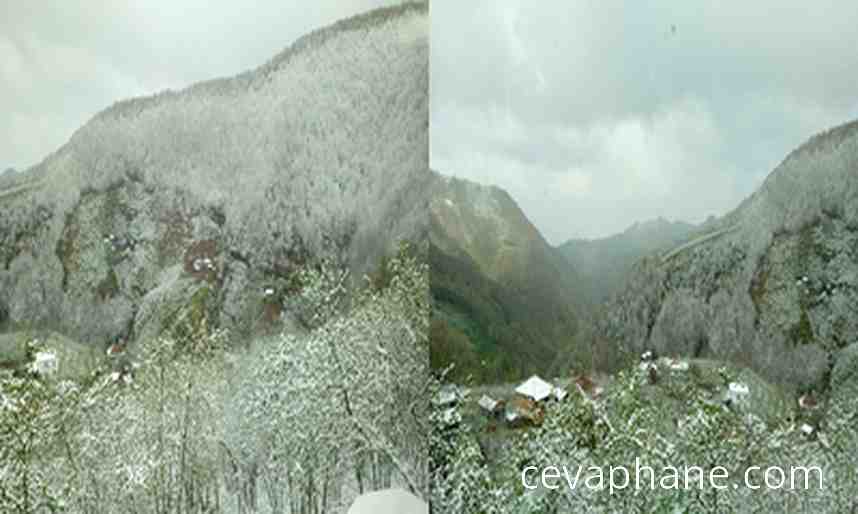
[487, 403]
[45, 363]
[389, 501]
[447, 395]
[646, 365]
[739, 388]
[45, 356]
[737, 391]
[536, 388]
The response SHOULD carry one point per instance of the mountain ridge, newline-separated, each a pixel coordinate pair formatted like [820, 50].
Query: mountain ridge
[504, 297]
[769, 285]
[604, 263]
[198, 201]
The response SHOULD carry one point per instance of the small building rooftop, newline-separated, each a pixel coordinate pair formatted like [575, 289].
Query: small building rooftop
[535, 388]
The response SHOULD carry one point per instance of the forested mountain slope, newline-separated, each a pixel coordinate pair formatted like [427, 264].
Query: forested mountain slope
[603, 264]
[504, 298]
[218, 237]
[198, 204]
[774, 283]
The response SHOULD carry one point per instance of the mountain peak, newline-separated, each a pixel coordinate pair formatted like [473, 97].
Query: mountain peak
[493, 271]
[656, 225]
[604, 263]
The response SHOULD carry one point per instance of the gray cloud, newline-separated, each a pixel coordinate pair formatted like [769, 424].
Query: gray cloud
[61, 62]
[597, 114]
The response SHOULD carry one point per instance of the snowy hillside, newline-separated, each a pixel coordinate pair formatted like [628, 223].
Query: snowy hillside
[320, 152]
[216, 300]
[774, 283]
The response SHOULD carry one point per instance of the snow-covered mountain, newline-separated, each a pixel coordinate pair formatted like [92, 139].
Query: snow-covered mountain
[206, 199]
[772, 285]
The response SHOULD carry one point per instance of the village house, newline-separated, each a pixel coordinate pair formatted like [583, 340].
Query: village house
[203, 264]
[522, 411]
[123, 375]
[648, 363]
[493, 408]
[199, 260]
[449, 396]
[807, 401]
[511, 416]
[585, 385]
[116, 348]
[45, 363]
[535, 388]
[526, 407]
[736, 392]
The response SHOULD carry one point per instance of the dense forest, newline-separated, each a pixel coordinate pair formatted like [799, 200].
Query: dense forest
[206, 304]
[504, 299]
[297, 423]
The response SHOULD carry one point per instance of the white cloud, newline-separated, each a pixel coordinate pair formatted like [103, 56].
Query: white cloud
[574, 182]
[629, 121]
[61, 62]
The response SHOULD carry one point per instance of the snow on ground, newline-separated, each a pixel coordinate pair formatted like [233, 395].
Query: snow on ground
[389, 501]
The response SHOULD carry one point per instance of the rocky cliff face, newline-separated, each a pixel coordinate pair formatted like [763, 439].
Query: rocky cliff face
[772, 285]
[189, 210]
[484, 224]
[496, 282]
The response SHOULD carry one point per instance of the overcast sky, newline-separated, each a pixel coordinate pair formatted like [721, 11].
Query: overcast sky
[62, 61]
[596, 114]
